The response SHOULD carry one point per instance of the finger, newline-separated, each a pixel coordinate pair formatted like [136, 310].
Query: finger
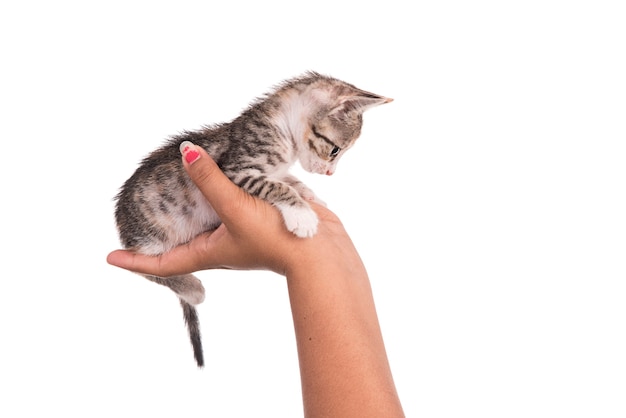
[163, 265]
[139, 263]
[206, 251]
[223, 195]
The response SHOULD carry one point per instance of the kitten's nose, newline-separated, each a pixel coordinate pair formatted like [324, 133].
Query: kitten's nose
[329, 172]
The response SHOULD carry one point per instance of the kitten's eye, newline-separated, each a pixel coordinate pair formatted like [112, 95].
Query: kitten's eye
[335, 151]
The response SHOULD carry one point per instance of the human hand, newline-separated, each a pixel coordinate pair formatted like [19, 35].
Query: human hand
[252, 234]
[343, 363]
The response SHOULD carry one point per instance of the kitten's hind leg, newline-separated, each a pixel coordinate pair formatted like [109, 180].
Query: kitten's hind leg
[187, 287]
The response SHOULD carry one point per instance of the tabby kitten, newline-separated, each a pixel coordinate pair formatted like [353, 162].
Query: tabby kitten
[312, 118]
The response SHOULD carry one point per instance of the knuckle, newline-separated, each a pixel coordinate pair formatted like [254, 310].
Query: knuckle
[203, 173]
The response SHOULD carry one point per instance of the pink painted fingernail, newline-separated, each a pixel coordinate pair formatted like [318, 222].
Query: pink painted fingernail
[189, 151]
[191, 156]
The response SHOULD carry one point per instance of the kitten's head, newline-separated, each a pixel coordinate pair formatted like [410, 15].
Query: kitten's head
[336, 124]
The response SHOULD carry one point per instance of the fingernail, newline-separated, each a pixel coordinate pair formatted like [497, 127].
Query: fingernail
[189, 151]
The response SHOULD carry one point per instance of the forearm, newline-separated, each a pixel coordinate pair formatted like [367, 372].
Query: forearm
[343, 363]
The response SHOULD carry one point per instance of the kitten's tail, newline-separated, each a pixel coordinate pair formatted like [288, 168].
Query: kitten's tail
[193, 326]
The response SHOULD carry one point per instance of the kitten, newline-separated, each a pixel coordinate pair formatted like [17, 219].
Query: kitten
[312, 118]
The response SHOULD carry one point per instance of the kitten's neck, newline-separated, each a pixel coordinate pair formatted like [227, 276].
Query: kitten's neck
[294, 110]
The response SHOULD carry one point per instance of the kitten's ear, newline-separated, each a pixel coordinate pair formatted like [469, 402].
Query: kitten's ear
[359, 102]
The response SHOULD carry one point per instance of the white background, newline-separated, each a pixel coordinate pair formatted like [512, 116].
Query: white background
[488, 202]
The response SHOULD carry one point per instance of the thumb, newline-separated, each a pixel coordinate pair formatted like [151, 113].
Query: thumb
[223, 195]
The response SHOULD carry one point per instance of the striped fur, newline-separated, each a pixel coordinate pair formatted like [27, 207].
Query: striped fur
[312, 118]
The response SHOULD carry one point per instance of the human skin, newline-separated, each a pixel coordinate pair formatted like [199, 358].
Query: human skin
[343, 363]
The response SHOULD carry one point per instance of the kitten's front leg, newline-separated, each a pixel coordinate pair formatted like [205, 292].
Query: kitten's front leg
[302, 189]
[297, 214]
[301, 220]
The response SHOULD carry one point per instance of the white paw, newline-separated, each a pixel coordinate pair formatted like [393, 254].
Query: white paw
[302, 221]
[192, 297]
[191, 290]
